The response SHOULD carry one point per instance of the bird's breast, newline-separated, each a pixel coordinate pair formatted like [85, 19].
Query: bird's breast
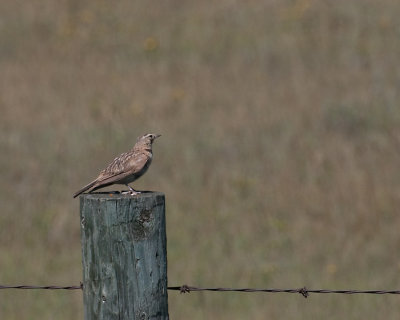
[140, 172]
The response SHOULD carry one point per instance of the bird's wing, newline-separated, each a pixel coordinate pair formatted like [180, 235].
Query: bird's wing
[123, 166]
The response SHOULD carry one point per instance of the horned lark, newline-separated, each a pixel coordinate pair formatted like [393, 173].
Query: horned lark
[125, 168]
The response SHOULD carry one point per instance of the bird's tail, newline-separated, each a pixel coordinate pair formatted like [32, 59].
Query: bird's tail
[90, 185]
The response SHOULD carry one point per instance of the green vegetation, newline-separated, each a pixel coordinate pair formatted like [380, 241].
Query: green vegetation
[280, 154]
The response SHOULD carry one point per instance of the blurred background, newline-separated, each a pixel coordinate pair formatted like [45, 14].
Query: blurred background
[279, 155]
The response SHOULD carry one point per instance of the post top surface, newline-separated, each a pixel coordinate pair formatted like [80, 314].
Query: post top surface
[112, 195]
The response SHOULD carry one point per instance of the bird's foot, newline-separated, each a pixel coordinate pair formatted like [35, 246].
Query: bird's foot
[131, 191]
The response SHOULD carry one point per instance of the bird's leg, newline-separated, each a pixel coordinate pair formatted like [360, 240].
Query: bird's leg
[131, 191]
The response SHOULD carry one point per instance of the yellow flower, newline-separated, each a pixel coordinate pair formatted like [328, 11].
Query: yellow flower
[150, 44]
[331, 268]
[178, 94]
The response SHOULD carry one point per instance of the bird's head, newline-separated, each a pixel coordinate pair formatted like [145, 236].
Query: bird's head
[146, 141]
[150, 137]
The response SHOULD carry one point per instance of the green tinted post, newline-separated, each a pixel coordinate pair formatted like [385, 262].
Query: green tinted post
[124, 256]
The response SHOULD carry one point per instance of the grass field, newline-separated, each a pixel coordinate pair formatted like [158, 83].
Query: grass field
[279, 155]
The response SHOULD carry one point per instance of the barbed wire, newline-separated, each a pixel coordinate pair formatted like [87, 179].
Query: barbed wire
[24, 286]
[303, 291]
[187, 289]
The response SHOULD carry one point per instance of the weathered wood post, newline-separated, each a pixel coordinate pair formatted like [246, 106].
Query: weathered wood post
[124, 256]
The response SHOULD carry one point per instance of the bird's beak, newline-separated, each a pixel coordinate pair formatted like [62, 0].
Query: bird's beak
[157, 136]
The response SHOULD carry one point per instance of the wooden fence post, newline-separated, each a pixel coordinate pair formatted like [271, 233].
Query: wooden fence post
[124, 256]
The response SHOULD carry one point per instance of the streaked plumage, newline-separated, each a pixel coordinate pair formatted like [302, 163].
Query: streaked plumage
[125, 168]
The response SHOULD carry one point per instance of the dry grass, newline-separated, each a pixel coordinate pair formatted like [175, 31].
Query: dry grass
[279, 158]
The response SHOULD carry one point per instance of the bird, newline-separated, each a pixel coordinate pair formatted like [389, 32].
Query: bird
[125, 168]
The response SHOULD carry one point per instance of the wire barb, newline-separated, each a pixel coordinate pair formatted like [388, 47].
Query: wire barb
[185, 289]
[303, 291]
